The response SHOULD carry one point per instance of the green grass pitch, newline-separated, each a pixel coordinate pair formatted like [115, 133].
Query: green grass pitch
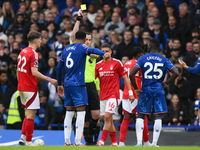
[98, 148]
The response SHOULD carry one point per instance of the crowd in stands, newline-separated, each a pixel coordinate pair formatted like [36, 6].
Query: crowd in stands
[121, 23]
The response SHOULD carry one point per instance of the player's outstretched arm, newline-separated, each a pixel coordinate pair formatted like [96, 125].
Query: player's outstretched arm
[175, 74]
[126, 81]
[40, 76]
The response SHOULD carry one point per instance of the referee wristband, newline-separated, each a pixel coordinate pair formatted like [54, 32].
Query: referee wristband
[130, 92]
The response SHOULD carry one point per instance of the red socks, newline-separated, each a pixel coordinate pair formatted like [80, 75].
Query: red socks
[123, 129]
[29, 129]
[113, 137]
[104, 135]
[24, 127]
[146, 130]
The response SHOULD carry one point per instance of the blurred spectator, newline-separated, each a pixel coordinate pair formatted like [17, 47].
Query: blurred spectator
[8, 11]
[172, 29]
[91, 13]
[98, 4]
[3, 116]
[42, 63]
[55, 12]
[46, 113]
[57, 46]
[16, 113]
[195, 35]
[6, 89]
[115, 24]
[136, 34]
[50, 4]
[194, 9]
[132, 21]
[41, 5]
[181, 87]
[51, 27]
[158, 33]
[145, 39]
[102, 36]
[68, 28]
[186, 23]
[195, 116]
[171, 11]
[189, 48]
[163, 7]
[70, 7]
[149, 5]
[132, 11]
[107, 10]
[11, 39]
[19, 39]
[33, 7]
[101, 13]
[139, 5]
[3, 36]
[125, 48]
[16, 45]
[115, 39]
[65, 40]
[49, 17]
[149, 26]
[177, 113]
[86, 22]
[3, 20]
[41, 21]
[168, 48]
[175, 52]
[98, 23]
[17, 26]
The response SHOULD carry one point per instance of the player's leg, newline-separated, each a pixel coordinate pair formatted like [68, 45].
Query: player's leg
[80, 100]
[94, 107]
[70, 111]
[79, 123]
[22, 140]
[126, 120]
[159, 108]
[144, 107]
[112, 133]
[146, 132]
[86, 125]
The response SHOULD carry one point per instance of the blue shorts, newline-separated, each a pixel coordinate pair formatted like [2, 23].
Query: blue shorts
[75, 96]
[152, 96]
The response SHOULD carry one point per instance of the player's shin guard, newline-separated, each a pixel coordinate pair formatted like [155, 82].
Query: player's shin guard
[156, 130]
[79, 125]
[92, 129]
[139, 130]
[146, 130]
[29, 129]
[123, 129]
[68, 125]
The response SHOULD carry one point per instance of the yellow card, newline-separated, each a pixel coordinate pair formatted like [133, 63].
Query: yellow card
[83, 7]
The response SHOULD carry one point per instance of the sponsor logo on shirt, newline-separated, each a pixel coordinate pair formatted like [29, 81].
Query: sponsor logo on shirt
[106, 73]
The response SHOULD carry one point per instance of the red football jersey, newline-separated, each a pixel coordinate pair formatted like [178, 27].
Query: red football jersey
[138, 78]
[109, 74]
[26, 81]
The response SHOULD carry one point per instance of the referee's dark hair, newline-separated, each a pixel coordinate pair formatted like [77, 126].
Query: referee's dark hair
[137, 50]
[105, 45]
[80, 35]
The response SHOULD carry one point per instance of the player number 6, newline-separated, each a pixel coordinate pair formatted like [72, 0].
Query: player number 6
[69, 61]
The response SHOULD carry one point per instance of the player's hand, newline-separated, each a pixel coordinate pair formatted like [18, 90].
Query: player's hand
[54, 82]
[131, 98]
[60, 91]
[80, 12]
[164, 84]
[174, 120]
[137, 92]
[107, 55]
[183, 63]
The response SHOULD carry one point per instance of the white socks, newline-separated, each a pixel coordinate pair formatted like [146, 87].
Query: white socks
[156, 130]
[79, 125]
[68, 125]
[139, 130]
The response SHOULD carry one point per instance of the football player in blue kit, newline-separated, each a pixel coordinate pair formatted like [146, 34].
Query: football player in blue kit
[152, 95]
[73, 59]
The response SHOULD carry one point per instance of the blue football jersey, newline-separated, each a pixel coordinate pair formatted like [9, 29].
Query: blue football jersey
[154, 67]
[73, 58]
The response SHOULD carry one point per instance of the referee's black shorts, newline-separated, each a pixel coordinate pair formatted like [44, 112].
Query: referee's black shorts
[93, 97]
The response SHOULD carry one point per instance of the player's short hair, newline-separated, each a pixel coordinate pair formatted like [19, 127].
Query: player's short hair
[154, 43]
[80, 35]
[137, 50]
[32, 35]
[106, 45]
